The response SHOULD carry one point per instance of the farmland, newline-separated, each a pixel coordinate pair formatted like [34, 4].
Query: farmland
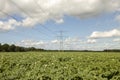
[60, 66]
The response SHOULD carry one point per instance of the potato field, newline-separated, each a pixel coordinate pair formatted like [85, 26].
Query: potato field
[60, 66]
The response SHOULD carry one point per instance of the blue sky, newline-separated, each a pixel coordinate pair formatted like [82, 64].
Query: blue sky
[94, 30]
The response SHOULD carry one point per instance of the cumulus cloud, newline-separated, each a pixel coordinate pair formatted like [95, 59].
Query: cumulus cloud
[70, 40]
[59, 21]
[29, 22]
[32, 42]
[11, 24]
[40, 11]
[91, 41]
[69, 44]
[8, 25]
[2, 3]
[55, 41]
[67, 41]
[105, 34]
[117, 40]
[117, 18]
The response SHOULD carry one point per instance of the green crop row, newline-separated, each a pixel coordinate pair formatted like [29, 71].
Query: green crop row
[60, 66]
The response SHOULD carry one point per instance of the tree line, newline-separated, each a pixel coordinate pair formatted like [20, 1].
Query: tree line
[14, 48]
[112, 50]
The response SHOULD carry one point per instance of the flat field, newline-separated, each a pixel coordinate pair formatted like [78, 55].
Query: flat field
[60, 66]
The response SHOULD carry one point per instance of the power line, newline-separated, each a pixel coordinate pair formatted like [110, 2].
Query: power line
[39, 6]
[41, 32]
[4, 13]
[42, 11]
[30, 15]
[8, 15]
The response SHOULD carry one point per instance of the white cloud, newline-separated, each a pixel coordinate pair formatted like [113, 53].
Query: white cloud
[2, 3]
[8, 25]
[59, 21]
[91, 41]
[117, 40]
[105, 34]
[31, 43]
[67, 41]
[35, 11]
[11, 24]
[55, 41]
[117, 18]
[29, 22]
[90, 44]
[75, 39]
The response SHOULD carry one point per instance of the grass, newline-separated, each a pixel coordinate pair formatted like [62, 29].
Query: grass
[60, 66]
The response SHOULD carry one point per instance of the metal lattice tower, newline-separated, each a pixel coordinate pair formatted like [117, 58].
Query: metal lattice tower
[61, 40]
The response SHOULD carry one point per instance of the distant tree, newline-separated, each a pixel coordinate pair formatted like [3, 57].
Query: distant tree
[12, 48]
[0, 47]
[21, 49]
[112, 50]
[31, 49]
[5, 48]
[17, 49]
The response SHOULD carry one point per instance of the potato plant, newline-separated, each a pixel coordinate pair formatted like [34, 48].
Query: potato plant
[60, 66]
